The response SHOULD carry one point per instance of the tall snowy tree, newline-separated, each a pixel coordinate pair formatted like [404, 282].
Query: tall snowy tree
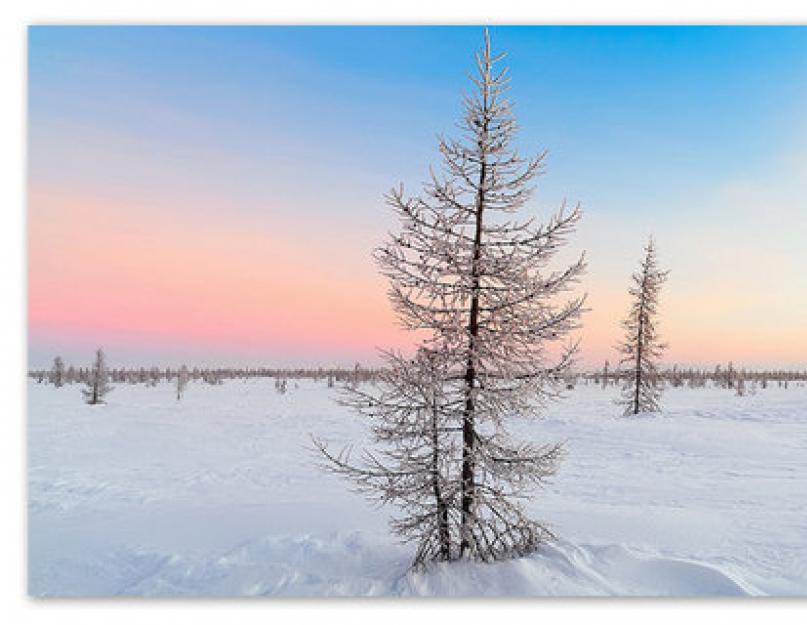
[479, 284]
[97, 384]
[641, 349]
[57, 372]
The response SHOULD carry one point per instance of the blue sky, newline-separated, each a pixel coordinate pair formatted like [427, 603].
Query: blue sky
[672, 102]
[679, 131]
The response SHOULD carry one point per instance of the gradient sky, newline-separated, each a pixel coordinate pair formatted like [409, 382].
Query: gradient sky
[212, 195]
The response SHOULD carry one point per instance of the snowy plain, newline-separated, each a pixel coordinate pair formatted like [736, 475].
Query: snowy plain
[220, 495]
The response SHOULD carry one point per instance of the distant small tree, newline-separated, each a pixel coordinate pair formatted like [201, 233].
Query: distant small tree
[57, 373]
[182, 381]
[97, 380]
[641, 349]
[740, 392]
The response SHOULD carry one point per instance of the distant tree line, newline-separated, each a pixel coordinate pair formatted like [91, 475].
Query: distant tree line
[721, 376]
[61, 374]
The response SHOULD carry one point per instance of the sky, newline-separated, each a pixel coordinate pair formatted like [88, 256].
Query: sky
[212, 195]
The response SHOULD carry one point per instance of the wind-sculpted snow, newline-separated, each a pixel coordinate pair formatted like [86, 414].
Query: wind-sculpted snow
[219, 495]
[349, 565]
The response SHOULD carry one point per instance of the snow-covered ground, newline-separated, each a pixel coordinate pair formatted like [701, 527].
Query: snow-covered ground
[219, 494]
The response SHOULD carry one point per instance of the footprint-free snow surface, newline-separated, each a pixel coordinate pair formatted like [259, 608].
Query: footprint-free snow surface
[220, 495]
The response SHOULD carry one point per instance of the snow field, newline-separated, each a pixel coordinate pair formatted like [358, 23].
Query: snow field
[220, 495]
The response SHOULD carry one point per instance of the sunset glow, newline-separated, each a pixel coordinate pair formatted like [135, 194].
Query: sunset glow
[214, 194]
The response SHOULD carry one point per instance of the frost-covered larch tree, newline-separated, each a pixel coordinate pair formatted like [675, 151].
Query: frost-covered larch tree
[57, 372]
[641, 349]
[479, 284]
[97, 384]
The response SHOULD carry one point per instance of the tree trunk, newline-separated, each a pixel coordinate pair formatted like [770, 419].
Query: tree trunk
[638, 372]
[468, 427]
[639, 341]
[442, 508]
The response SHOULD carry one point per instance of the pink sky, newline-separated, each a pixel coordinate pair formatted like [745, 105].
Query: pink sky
[120, 273]
[141, 278]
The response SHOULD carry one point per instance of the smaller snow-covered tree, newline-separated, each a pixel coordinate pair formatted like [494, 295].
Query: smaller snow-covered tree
[57, 373]
[642, 348]
[412, 423]
[97, 383]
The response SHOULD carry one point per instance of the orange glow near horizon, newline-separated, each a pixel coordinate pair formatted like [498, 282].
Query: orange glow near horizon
[101, 272]
[107, 271]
